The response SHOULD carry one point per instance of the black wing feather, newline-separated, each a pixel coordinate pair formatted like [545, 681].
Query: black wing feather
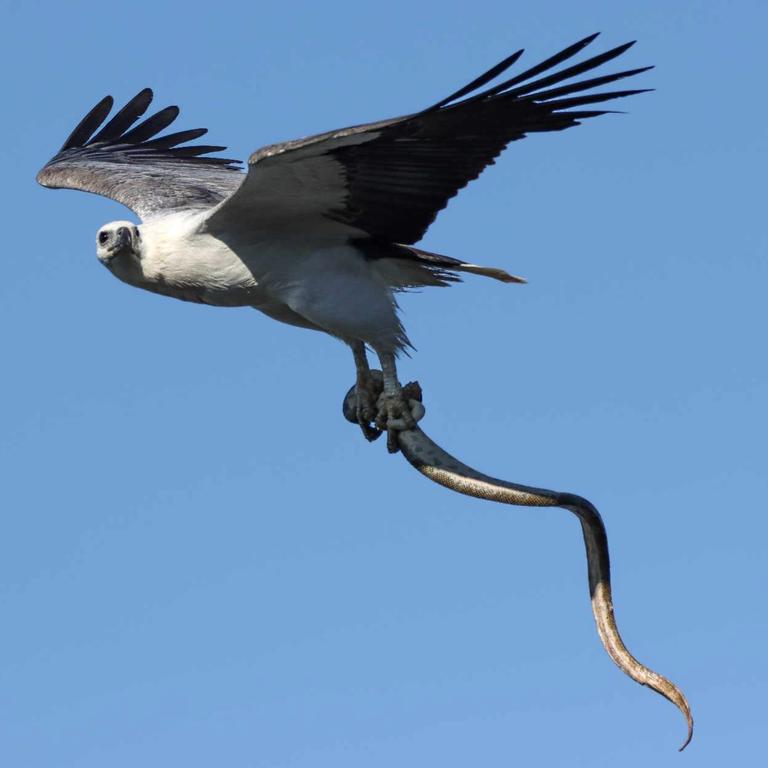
[479, 82]
[200, 149]
[400, 180]
[572, 71]
[85, 128]
[585, 85]
[172, 139]
[151, 126]
[552, 61]
[124, 118]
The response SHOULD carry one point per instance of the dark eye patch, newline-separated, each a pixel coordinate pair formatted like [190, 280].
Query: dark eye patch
[103, 238]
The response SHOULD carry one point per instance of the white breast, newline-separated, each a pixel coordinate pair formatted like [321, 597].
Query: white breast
[178, 260]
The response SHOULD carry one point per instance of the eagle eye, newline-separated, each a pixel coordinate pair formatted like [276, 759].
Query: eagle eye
[103, 238]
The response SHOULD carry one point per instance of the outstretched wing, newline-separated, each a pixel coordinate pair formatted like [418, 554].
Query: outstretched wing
[388, 180]
[148, 173]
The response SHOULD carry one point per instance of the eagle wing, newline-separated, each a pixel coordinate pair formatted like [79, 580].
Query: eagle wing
[150, 174]
[388, 180]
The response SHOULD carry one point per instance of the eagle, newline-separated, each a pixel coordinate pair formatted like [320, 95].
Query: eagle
[320, 232]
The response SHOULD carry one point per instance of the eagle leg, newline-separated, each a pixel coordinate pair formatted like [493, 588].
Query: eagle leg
[368, 387]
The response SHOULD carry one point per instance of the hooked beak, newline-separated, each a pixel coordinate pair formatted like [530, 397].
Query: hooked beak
[122, 241]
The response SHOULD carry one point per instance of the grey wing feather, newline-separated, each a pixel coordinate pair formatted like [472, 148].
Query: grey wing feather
[148, 173]
[389, 180]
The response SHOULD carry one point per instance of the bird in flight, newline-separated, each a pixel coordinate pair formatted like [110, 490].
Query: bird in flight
[320, 232]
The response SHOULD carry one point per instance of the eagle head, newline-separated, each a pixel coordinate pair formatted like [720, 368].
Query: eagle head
[118, 244]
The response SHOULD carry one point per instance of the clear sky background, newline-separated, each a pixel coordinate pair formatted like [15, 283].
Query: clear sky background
[203, 564]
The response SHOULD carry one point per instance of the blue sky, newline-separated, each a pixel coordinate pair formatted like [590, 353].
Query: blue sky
[202, 564]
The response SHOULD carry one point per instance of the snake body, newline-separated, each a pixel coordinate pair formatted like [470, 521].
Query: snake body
[439, 466]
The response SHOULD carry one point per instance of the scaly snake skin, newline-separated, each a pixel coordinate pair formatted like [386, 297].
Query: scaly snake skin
[442, 468]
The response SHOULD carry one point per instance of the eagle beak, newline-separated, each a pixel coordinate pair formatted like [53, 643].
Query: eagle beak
[123, 240]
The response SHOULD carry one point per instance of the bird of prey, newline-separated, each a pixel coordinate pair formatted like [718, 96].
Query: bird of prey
[320, 231]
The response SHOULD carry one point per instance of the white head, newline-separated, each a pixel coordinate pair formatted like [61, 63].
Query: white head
[119, 247]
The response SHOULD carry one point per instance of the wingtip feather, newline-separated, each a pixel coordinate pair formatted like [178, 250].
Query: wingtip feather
[89, 124]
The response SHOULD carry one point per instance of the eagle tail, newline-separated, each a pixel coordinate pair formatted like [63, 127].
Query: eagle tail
[403, 266]
[438, 261]
[494, 272]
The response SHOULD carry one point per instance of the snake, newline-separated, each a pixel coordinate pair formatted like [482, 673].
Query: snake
[436, 464]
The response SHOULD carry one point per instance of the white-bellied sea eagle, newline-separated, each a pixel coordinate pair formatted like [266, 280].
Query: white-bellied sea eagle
[320, 231]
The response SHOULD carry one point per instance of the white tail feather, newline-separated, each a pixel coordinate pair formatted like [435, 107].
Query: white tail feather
[494, 272]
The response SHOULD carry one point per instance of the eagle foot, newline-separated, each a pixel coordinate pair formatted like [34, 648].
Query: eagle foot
[366, 404]
[399, 411]
[368, 390]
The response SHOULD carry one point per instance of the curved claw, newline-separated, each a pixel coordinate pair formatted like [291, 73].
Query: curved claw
[442, 468]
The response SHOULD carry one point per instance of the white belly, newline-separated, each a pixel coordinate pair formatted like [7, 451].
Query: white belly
[329, 286]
